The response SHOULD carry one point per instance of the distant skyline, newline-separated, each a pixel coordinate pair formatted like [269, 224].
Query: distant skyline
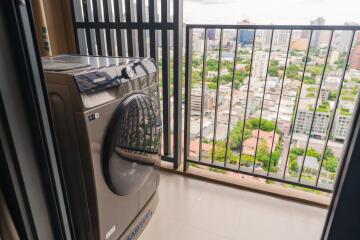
[294, 12]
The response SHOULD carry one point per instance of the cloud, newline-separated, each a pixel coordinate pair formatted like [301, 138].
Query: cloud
[310, 1]
[212, 2]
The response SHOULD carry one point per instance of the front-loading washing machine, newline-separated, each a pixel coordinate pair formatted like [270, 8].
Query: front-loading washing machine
[108, 127]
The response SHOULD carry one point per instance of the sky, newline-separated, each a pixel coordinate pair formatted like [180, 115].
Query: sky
[292, 12]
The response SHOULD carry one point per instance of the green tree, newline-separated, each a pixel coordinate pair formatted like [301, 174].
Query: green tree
[226, 78]
[212, 65]
[212, 85]
[237, 85]
[273, 71]
[294, 167]
[262, 153]
[274, 62]
[313, 153]
[309, 80]
[236, 134]
[248, 160]
[330, 161]
[292, 71]
[220, 149]
[265, 125]
[297, 151]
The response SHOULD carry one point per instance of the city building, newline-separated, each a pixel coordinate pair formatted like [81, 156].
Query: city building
[343, 38]
[281, 39]
[341, 126]
[301, 140]
[299, 44]
[264, 38]
[355, 55]
[334, 57]
[211, 34]
[315, 40]
[311, 164]
[324, 94]
[249, 145]
[303, 123]
[260, 64]
[246, 36]
[196, 100]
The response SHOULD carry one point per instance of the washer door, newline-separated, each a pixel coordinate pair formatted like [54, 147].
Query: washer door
[132, 144]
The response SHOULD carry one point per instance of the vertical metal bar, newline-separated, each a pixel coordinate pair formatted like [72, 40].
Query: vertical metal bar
[75, 29]
[166, 80]
[129, 14]
[119, 40]
[263, 97]
[107, 30]
[97, 30]
[145, 32]
[231, 96]
[280, 97]
[217, 94]
[297, 102]
[316, 103]
[87, 30]
[202, 94]
[152, 18]
[247, 97]
[139, 14]
[188, 76]
[177, 9]
[348, 54]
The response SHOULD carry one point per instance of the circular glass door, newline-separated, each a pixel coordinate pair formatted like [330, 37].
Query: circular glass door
[132, 144]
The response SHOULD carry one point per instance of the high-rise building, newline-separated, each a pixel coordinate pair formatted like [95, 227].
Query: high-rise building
[355, 54]
[341, 126]
[343, 38]
[211, 34]
[315, 40]
[260, 64]
[196, 100]
[264, 37]
[246, 36]
[281, 39]
[299, 44]
[303, 123]
[324, 94]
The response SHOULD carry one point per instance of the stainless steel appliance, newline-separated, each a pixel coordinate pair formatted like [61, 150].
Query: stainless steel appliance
[108, 126]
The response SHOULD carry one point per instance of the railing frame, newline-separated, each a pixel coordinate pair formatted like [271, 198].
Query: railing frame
[188, 80]
[97, 18]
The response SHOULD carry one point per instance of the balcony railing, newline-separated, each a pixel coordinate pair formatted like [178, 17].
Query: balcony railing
[141, 28]
[270, 101]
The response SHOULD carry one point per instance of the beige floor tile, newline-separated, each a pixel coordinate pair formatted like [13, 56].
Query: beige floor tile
[193, 209]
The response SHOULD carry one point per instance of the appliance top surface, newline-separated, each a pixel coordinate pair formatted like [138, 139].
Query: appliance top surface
[72, 62]
[94, 74]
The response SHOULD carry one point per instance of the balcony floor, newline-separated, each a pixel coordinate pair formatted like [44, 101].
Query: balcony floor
[193, 209]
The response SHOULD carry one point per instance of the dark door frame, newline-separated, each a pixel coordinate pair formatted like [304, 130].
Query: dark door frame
[29, 174]
[343, 219]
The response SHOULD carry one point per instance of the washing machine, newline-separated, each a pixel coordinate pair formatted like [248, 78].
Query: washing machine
[107, 122]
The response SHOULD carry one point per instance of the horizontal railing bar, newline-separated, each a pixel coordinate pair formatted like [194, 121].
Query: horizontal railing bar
[126, 25]
[260, 176]
[277, 27]
[167, 158]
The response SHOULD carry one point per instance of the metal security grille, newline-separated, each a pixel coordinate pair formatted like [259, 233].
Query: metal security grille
[139, 28]
[317, 125]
